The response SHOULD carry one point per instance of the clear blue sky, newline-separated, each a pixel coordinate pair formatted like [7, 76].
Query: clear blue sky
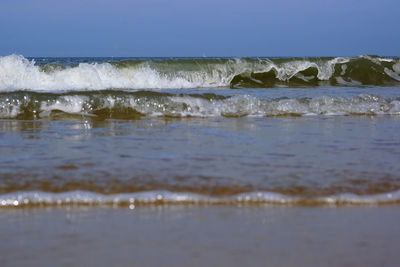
[198, 28]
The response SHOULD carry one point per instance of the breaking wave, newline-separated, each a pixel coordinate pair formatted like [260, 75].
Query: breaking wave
[131, 105]
[20, 73]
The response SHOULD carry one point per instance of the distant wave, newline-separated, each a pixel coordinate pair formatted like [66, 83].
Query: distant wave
[86, 198]
[131, 105]
[19, 73]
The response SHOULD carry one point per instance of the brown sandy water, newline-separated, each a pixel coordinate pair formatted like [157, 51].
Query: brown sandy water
[329, 160]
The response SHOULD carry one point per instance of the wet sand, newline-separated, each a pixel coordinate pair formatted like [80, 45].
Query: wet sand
[201, 236]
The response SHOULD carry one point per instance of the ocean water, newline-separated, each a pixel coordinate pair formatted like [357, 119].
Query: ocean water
[199, 131]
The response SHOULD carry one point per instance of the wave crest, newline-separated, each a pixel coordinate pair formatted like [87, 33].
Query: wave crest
[19, 73]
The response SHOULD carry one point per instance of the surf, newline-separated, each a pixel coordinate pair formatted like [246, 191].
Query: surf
[135, 105]
[77, 74]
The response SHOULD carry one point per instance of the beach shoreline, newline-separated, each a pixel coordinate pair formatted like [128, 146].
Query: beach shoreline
[199, 161]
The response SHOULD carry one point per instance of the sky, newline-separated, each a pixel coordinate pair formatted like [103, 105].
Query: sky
[188, 28]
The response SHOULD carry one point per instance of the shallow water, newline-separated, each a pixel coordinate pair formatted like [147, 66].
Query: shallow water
[68, 136]
[201, 236]
[306, 157]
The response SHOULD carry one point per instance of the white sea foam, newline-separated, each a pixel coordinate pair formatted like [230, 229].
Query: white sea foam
[68, 104]
[325, 69]
[377, 60]
[18, 73]
[395, 73]
[184, 106]
[246, 105]
[39, 198]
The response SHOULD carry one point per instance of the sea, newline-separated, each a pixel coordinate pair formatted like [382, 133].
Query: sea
[237, 132]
